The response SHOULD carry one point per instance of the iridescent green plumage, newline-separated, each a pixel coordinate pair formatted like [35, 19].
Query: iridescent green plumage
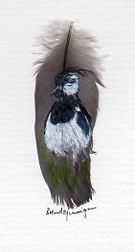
[69, 179]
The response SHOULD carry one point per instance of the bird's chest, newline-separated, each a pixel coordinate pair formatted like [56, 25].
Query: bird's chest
[67, 131]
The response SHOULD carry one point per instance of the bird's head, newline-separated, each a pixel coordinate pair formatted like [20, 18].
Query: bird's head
[67, 83]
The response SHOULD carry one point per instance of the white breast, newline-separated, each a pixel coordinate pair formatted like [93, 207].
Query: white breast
[63, 137]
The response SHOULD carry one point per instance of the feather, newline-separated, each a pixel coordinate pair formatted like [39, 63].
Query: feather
[65, 48]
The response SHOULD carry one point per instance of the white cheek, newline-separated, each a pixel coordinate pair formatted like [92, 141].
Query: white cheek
[69, 90]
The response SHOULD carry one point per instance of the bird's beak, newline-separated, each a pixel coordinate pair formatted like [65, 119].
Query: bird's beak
[56, 90]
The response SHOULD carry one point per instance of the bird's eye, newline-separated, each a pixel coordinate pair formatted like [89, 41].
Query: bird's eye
[66, 79]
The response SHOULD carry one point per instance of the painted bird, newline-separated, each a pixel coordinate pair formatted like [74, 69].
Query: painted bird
[66, 103]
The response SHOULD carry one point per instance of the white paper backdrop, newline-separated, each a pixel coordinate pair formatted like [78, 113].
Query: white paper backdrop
[24, 196]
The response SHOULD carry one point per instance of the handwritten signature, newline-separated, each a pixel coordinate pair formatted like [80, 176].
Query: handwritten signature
[68, 212]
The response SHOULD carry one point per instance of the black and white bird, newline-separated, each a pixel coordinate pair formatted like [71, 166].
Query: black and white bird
[66, 102]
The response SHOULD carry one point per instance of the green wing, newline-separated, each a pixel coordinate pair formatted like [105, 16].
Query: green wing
[68, 179]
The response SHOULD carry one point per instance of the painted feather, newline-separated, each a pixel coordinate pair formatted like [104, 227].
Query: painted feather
[66, 104]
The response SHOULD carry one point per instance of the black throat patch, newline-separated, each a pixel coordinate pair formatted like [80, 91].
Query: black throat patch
[64, 110]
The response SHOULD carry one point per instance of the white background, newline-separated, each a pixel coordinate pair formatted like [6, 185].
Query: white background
[24, 196]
